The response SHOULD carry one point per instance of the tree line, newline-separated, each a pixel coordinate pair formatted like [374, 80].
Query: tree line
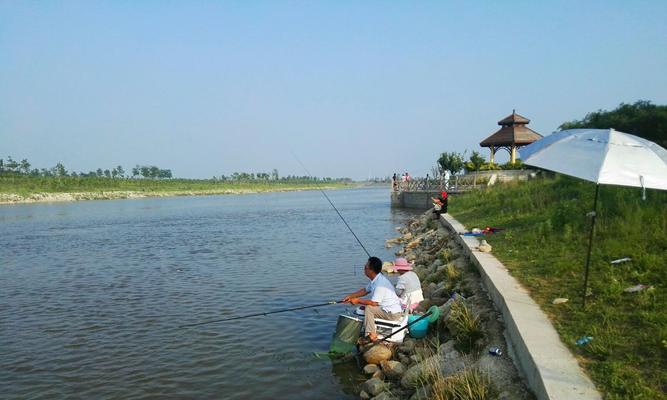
[23, 167]
[11, 167]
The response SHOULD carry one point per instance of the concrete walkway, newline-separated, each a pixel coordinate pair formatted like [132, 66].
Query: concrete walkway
[551, 370]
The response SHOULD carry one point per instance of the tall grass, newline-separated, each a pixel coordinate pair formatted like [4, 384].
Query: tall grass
[544, 246]
[467, 384]
[468, 326]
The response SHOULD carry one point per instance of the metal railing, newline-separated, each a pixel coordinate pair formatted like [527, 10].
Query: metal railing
[456, 183]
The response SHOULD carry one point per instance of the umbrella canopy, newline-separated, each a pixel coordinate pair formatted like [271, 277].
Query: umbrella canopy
[603, 156]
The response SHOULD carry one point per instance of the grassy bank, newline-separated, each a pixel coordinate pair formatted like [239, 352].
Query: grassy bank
[544, 246]
[27, 187]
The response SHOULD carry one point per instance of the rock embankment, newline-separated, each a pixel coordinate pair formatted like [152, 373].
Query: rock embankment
[453, 360]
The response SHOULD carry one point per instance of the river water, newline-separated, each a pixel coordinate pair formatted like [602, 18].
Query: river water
[92, 294]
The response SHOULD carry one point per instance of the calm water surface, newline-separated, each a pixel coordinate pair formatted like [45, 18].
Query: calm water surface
[92, 294]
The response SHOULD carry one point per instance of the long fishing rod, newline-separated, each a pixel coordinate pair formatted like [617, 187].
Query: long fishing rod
[260, 314]
[332, 205]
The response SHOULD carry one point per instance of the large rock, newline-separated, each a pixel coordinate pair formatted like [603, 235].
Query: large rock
[393, 369]
[378, 374]
[369, 369]
[376, 354]
[422, 393]
[374, 386]
[416, 374]
[408, 346]
[384, 396]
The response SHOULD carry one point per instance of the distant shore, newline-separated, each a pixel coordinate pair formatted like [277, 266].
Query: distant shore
[44, 197]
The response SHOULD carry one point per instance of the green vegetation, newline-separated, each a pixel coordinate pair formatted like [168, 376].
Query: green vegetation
[27, 185]
[641, 118]
[18, 181]
[452, 162]
[544, 246]
[468, 384]
[467, 326]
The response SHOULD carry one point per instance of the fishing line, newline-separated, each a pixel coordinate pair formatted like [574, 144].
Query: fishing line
[259, 314]
[332, 205]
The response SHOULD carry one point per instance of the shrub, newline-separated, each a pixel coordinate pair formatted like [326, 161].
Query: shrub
[467, 325]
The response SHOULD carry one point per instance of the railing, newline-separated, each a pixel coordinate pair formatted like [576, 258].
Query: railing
[455, 184]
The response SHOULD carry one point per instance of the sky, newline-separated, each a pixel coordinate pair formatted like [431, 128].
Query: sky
[351, 88]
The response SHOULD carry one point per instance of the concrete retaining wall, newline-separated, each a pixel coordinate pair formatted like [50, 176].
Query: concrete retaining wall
[551, 370]
[417, 199]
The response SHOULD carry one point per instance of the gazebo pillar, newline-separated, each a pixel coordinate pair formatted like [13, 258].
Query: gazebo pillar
[513, 155]
[493, 153]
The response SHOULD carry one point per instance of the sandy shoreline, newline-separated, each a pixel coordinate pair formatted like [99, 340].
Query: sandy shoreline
[14, 198]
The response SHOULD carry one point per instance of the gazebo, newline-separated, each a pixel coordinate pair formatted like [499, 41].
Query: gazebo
[513, 134]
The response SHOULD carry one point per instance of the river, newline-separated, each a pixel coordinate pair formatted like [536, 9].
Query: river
[92, 294]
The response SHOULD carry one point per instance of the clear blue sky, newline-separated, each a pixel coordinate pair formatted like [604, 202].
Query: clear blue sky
[351, 87]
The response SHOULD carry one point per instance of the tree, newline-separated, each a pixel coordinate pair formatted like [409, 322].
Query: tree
[11, 165]
[99, 172]
[59, 170]
[120, 171]
[475, 162]
[136, 171]
[642, 118]
[452, 162]
[25, 166]
[274, 175]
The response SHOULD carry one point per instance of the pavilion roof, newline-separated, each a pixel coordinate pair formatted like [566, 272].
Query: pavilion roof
[513, 118]
[511, 134]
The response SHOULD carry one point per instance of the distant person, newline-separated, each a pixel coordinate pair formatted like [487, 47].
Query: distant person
[408, 286]
[440, 204]
[394, 182]
[384, 303]
[404, 181]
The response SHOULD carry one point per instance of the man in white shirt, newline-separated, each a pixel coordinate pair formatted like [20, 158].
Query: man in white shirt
[384, 303]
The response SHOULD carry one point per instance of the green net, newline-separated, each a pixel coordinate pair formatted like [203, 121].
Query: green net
[347, 333]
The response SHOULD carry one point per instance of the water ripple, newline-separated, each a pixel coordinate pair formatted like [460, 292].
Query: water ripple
[92, 295]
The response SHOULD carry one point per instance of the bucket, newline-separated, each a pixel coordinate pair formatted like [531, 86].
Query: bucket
[419, 329]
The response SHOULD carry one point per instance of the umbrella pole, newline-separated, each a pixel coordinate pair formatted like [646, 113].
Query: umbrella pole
[590, 244]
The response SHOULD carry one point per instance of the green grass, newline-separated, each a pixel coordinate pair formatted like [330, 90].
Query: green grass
[544, 246]
[27, 185]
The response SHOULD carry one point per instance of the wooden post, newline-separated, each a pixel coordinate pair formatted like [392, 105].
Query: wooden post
[493, 152]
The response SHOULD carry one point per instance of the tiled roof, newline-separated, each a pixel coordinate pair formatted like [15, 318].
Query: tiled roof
[513, 118]
[512, 134]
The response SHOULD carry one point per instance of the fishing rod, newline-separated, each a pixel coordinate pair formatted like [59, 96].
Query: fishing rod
[332, 205]
[260, 314]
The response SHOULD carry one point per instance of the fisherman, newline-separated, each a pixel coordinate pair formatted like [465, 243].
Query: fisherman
[408, 286]
[440, 204]
[383, 302]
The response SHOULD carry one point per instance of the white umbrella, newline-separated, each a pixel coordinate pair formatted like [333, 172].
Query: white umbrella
[602, 156]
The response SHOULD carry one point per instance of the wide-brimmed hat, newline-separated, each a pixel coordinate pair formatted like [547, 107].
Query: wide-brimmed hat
[401, 264]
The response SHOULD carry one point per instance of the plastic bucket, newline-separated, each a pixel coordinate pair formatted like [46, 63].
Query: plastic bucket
[419, 329]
